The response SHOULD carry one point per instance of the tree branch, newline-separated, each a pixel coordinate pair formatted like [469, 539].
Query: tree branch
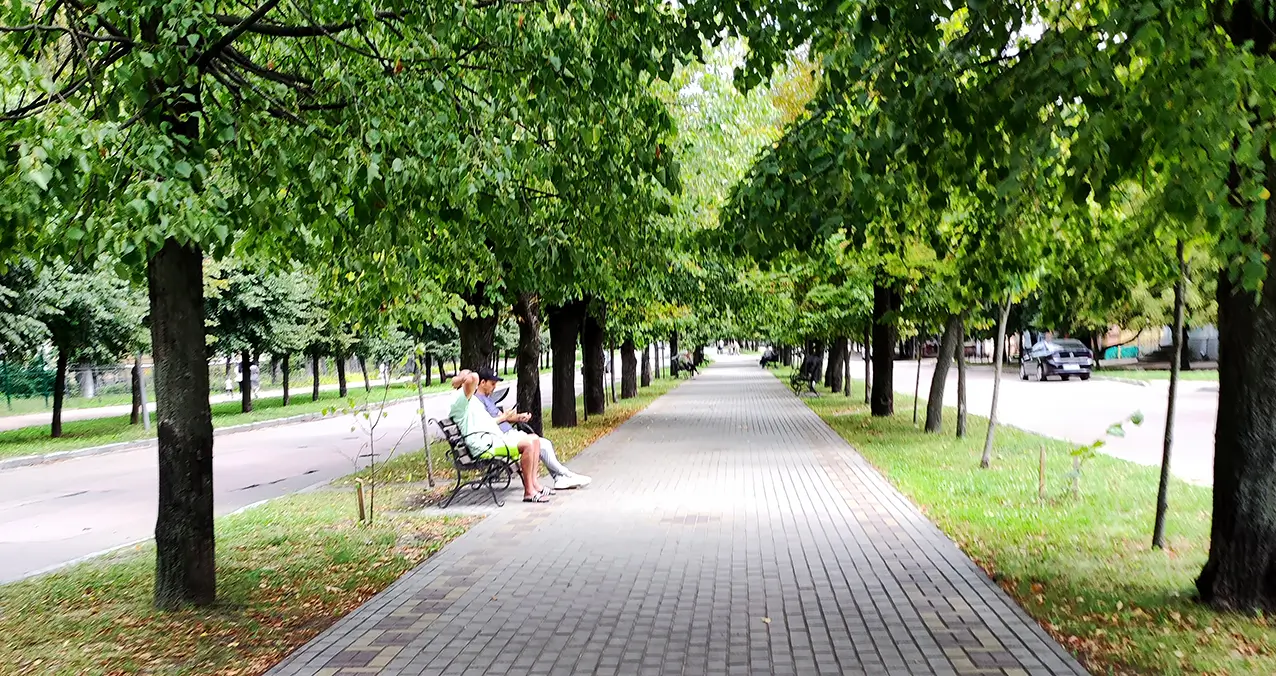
[238, 58]
[35, 106]
[233, 34]
[45, 28]
[291, 31]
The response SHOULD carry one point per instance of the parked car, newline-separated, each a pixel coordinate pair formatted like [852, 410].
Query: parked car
[1063, 357]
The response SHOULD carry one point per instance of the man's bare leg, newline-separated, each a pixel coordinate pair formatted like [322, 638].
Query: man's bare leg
[526, 462]
[531, 449]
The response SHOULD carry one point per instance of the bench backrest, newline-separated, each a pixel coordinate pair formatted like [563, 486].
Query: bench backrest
[458, 450]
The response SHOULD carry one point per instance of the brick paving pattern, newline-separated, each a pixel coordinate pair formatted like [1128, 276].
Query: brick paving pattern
[728, 531]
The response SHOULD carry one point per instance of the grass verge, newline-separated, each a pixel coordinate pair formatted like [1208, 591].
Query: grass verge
[286, 570]
[1140, 374]
[1082, 566]
[77, 434]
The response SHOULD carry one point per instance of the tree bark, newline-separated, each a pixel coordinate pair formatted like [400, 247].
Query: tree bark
[245, 382]
[363, 368]
[135, 379]
[425, 363]
[1176, 359]
[961, 376]
[342, 390]
[184, 546]
[478, 333]
[564, 331]
[592, 349]
[285, 367]
[314, 371]
[645, 380]
[59, 394]
[846, 368]
[917, 376]
[943, 361]
[998, 357]
[673, 353]
[836, 375]
[883, 338]
[1185, 350]
[442, 373]
[527, 314]
[629, 369]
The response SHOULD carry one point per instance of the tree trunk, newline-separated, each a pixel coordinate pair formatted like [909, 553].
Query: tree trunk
[846, 369]
[628, 370]
[883, 338]
[59, 394]
[836, 375]
[363, 368]
[1185, 350]
[314, 371]
[245, 382]
[917, 376]
[961, 376]
[592, 349]
[478, 333]
[1178, 340]
[527, 314]
[184, 546]
[285, 365]
[342, 390]
[998, 357]
[698, 355]
[645, 378]
[564, 331]
[135, 379]
[425, 363]
[1240, 573]
[673, 353]
[943, 361]
[442, 373]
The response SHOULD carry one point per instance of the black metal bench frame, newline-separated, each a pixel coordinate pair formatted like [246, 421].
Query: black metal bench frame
[491, 471]
[803, 380]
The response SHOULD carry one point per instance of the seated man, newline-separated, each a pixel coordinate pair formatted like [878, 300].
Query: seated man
[486, 439]
[563, 477]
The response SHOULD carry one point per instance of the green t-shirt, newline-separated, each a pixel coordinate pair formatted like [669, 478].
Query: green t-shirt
[472, 417]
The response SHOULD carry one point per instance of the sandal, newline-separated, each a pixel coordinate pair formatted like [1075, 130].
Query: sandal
[546, 490]
[539, 497]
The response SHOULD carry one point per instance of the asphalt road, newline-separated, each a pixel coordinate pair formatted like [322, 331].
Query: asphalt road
[1081, 412]
[60, 512]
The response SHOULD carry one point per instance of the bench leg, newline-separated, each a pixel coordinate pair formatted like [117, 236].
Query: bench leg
[490, 480]
[455, 490]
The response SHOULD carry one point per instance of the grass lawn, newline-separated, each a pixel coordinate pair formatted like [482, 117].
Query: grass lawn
[1083, 567]
[78, 434]
[1140, 374]
[286, 570]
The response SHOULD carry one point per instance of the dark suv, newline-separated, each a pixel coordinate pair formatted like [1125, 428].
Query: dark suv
[1063, 357]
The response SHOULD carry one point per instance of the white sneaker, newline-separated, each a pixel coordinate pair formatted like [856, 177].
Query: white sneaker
[564, 482]
[581, 480]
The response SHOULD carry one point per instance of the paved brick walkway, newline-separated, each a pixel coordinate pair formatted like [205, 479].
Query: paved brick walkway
[728, 531]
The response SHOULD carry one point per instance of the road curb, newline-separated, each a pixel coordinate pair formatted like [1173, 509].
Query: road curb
[1127, 381]
[30, 460]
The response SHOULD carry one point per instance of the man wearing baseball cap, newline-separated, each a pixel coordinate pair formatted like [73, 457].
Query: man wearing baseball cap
[486, 439]
[563, 477]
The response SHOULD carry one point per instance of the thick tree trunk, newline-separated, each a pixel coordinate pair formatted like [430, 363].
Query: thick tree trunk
[59, 394]
[135, 380]
[884, 336]
[998, 357]
[1178, 340]
[478, 333]
[645, 379]
[363, 368]
[314, 373]
[1185, 350]
[592, 350]
[961, 376]
[673, 353]
[628, 370]
[343, 390]
[286, 364]
[1240, 573]
[698, 355]
[527, 313]
[943, 361]
[564, 331]
[837, 364]
[245, 382]
[184, 548]
[442, 373]
[425, 363]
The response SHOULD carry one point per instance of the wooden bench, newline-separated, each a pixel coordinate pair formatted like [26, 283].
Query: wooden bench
[685, 366]
[492, 472]
[803, 380]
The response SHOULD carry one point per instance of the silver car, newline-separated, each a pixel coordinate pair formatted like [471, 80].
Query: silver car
[1063, 357]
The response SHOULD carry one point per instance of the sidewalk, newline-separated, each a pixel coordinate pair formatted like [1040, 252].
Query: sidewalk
[728, 531]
